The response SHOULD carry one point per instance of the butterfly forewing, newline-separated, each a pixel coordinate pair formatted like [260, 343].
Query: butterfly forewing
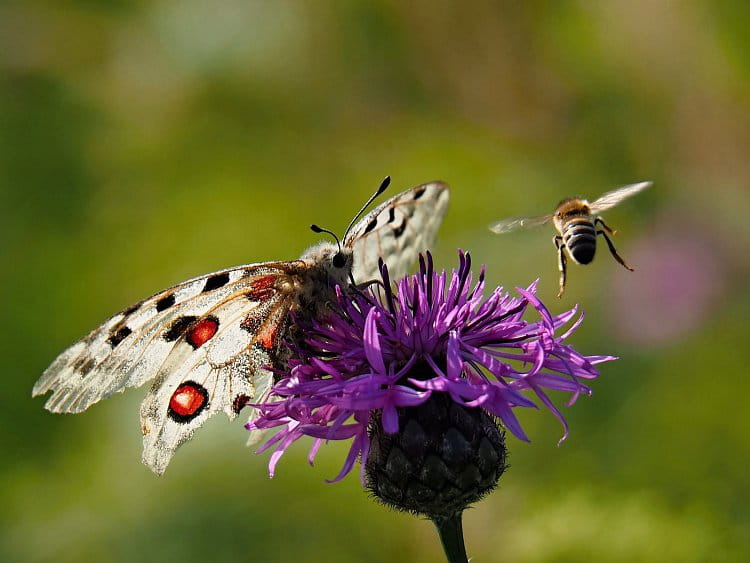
[397, 230]
[130, 347]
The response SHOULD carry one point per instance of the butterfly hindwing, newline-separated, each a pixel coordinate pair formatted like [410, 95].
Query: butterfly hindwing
[397, 230]
[223, 373]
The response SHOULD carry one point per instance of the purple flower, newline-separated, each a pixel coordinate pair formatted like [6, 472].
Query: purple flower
[382, 353]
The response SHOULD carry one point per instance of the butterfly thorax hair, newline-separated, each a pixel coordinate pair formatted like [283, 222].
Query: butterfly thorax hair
[328, 266]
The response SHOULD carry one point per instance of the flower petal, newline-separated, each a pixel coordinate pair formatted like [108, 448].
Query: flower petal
[371, 342]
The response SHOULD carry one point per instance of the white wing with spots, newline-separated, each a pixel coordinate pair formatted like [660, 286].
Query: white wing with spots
[397, 230]
[205, 343]
[129, 348]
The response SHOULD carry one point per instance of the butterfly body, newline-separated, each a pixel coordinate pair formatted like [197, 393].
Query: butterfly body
[209, 344]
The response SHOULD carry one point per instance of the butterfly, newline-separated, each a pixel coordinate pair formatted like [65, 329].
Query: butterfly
[209, 344]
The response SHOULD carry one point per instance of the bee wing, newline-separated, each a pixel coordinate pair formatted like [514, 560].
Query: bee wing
[514, 223]
[610, 199]
[397, 230]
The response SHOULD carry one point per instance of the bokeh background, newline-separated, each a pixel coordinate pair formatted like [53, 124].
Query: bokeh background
[142, 143]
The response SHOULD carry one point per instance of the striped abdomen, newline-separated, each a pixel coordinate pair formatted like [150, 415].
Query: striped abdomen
[579, 237]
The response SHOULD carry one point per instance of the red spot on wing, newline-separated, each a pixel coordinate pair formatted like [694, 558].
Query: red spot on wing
[263, 288]
[203, 331]
[267, 337]
[263, 329]
[188, 400]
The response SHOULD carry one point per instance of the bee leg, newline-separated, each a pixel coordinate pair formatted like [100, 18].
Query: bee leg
[611, 246]
[562, 262]
[600, 221]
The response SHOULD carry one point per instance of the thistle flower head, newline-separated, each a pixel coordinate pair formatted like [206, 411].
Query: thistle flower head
[418, 378]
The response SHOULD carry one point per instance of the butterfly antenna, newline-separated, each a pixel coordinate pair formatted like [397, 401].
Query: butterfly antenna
[314, 228]
[383, 186]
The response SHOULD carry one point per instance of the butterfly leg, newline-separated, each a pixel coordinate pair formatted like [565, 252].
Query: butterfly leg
[361, 287]
[562, 262]
[611, 246]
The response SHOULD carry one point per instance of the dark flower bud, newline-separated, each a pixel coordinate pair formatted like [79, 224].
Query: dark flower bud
[444, 458]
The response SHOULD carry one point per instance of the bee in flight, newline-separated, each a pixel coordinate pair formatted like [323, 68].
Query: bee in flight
[577, 227]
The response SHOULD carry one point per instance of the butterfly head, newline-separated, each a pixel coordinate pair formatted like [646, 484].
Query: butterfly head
[336, 261]
[333, 262]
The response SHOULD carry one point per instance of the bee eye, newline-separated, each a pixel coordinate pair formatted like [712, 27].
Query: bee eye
[339, 260]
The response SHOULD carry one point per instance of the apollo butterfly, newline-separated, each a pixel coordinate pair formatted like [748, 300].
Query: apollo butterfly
[207, 344]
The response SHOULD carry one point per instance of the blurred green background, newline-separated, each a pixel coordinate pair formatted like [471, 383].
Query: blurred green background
[142, 143]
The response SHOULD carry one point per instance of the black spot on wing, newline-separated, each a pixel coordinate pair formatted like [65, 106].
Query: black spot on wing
[118, 336]
[240, 402]
[216, 281]
[84, 364]
[419, 193]
[178, 328]
[398, 231]
[165, 303]
[391, 215]
[371, 225]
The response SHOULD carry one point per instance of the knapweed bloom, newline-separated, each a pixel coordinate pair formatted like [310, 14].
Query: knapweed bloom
[422, 380]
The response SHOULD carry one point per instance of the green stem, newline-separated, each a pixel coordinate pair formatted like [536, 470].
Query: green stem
[451, 532]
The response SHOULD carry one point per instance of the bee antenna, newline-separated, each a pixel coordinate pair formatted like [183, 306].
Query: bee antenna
[314, 228]
[383, 185]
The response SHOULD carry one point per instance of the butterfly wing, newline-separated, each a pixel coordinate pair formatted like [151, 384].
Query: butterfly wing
[204, 342]
[195, 383]
[397, 230]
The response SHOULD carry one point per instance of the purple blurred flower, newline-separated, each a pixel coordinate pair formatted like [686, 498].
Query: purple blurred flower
[681, 275]
[382, 352]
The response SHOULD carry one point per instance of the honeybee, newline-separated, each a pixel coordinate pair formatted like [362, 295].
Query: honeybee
[577, 227]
